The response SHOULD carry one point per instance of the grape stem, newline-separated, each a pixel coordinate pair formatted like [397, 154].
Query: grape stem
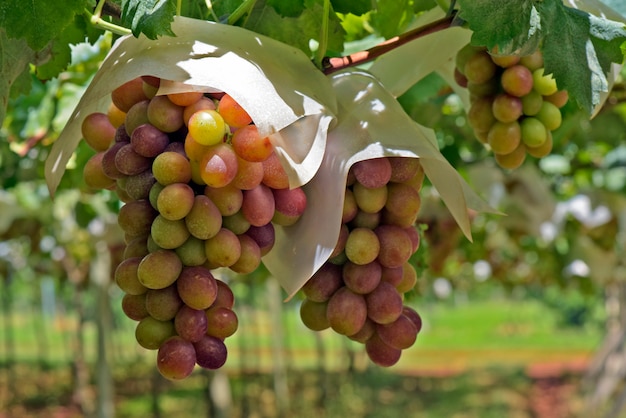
[334, 64]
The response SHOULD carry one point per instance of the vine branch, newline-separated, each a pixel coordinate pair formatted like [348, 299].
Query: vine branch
[334, 64]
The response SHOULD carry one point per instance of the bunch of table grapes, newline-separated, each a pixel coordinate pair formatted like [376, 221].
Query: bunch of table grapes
[514, 105]
[359, 291]
[201, 190]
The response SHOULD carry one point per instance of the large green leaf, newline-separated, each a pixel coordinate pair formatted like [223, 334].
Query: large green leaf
[14, 58]
[371, 124]
[277, 84]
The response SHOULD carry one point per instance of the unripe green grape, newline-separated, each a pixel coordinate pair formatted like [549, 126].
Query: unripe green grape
[150, 333]
[533, 132]
[543, 150]
[369, 200]
[171, 167]
[544, 84]
[236, 223]
[488, 88]
[350, 207]
[159, 269]
[223, 249]
[531, 103]
[163, 304]
[227, 199]
[517, 80]
[175, 201]
[191, 252]
[506, 108]
[513, 159]
[362, 246]
[169, 234]
[366, 220]
[479, 68]
[250, 257]
[313, 315]
[480, 115]
[550, 116]
[126, 277]
[204, 219]
[136, 116]
[503, 138]
[207, 127]
[463, 55]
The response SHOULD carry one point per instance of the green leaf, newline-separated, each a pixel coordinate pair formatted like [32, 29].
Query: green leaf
[38, 21]
[14, 69]
[575, 36]
[153, 18]
[507, 26]
[356, 7]
[391, 17]
[296, 31]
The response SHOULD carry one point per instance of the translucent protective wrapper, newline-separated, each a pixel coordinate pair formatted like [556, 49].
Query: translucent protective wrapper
[276, 84]
[372, 124]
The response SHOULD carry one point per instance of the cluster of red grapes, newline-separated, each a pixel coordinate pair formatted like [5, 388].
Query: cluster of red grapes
[360, 291]
[514, 105]
[202, 190]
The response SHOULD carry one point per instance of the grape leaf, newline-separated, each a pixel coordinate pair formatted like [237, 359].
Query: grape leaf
[153, 18]
[296, 31]
[579, 48]
[14, 69]
[356, 7]
[38, 21]
[391, 17]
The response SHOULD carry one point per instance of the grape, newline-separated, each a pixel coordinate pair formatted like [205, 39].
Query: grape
[313, 315]
[362, 279]
[126, 277]
[544, 84]
[136, 116]
[350, 207]
[346, 311]
[163, 304]
[365, 333]
[224, 249]
[264, 236]
[221, 322]
[403, 201]
[392, 275]
[218, 166]
[542, 150]
[532, 61]
[115, 115]
[225, 297]
[149, 89]
[370, 200]
[191, 252]
[479, 68]
[184, 99]
[128, 162]
[234, 115]
[400, 334]
[403, 168]
[250, 257]
[507, 108]
[505, 61]
[175, 201]
[366, 220]
[197, 287]
[249, 174]
[534, 133]
[211, 353]
[344, 232]
[190, 324]
[165, 115]
[129, 93]
[171, 167]
[372, 173]
[517, 80]
[274, 174]
[154, 193]
[136, 247]
[148, 141]
[98, 131]
[550, 116]
[138, 186]
[464, 54]
[169, 234]
[236, 223]
[176, 358]
[159, 269]
[204, 219]
[227, 199]
[203, 104]
[323, 283]
[381, 353]
[258, 205]
[194, 150]
[384, 304]
[460, 78]
[559, 99]
[249, 145]
[395, 245]
[480, 115]
[94, 175]
[513, 159]
[488, 88]
[409, 279]
[207, 127]
[289, 205]
[135, 218]
[504, 137]
[362, 246]
[414, 236]
[108, 161]
[134, 306]
[413, 316]
[531, 103]
[150, 333]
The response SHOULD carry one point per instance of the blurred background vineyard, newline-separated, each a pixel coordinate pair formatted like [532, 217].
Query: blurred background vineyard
[526, 321]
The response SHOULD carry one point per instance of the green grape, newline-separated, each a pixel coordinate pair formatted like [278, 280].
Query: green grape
[224, 249]
[204, 219]
[175, 201]
[503, 138]
[533, 61]
[512, 160]
[488, 88]
[534, 132]
[464, 54]
[136, 116]
[250, 257]
[163, 304]
[159, 269]
[228, 199]
[366, 220]
[542, 150]
[544, 84]
[313, 315]
[191, 252]
[505, 61]
[480, 115]
[126, 277]
[362, 246]
[479, 68]
[550, 116]
[169, 234]
[150, 333]
[369, 200]
[171, 167]
[531, 103]
[207, 127]
[350, 207]
[236, 223]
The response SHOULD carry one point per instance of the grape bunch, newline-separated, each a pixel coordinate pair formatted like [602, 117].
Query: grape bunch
[202, 190]
[359, 291]
[514, 105]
